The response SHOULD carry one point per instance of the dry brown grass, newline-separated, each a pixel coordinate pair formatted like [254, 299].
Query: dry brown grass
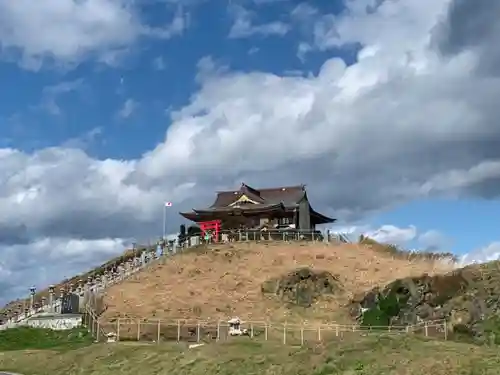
[225, 281]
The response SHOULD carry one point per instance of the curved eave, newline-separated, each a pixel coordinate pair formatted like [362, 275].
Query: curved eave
[193, 216]
[321, 219]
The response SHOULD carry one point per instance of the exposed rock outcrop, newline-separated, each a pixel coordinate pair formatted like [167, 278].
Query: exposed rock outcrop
[468, 298]
[302, 286]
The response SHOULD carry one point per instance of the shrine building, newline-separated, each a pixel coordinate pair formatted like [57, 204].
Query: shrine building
[250, 208]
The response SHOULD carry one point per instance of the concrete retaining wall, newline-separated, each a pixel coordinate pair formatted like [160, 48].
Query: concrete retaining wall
[56, 322]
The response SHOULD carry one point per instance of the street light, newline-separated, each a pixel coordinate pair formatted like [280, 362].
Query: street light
[167, 204]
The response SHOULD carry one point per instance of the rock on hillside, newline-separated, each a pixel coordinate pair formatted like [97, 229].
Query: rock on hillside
[302, 286]
[469, 298]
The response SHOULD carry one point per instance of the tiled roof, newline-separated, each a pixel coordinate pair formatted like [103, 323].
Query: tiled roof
[289, 195]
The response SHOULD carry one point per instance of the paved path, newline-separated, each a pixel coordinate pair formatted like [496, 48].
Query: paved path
[7, 373]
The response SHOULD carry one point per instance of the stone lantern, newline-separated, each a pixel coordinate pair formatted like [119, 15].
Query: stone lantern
[52, 291]
[44, 303]
[32, 297]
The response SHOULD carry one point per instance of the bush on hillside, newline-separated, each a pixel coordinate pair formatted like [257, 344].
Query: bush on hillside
[387, 307]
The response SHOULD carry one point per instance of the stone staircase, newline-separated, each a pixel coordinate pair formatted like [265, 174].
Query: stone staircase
[85, 291]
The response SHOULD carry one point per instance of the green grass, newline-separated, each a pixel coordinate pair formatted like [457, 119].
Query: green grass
[38, 338]
[399, 355]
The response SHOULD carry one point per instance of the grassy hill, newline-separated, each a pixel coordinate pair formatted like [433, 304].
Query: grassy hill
[364, 356]
[219, 282]
[292, 283]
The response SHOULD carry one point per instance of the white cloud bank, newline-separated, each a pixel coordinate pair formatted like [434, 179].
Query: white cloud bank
[68, 31]
[412, 239]
[415, 116]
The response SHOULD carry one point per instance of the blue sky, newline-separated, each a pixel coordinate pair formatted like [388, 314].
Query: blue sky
[50, 106]
[384, 110]
[465, 224]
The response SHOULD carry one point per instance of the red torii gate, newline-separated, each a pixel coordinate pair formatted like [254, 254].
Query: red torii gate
[211, 227]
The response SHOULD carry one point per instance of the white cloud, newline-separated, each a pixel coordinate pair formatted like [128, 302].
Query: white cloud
[388, 233]
[434, 240]
[402, 123]
[404, 237]
[85, 140]
[302, 51]
[70, 31]
[159, 63]
[128, 108]
[263, 2]
[391, 234]
[51, 93]
[244, 28]
[486, 254]
[253, 50]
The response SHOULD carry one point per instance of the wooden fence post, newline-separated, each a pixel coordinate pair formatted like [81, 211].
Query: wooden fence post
[98, 331]
[337, 330]
[138, 330]
[284, 334]
[118, 329]
[265, 331]
[302, 335]
[251, 330]
[319, 333]
[426, 330]
[159, 330]
[198, 332]
[178, 330]
[218, 331]
[445, 326]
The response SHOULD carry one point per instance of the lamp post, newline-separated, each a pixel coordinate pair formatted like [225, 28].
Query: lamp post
[167, 204]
